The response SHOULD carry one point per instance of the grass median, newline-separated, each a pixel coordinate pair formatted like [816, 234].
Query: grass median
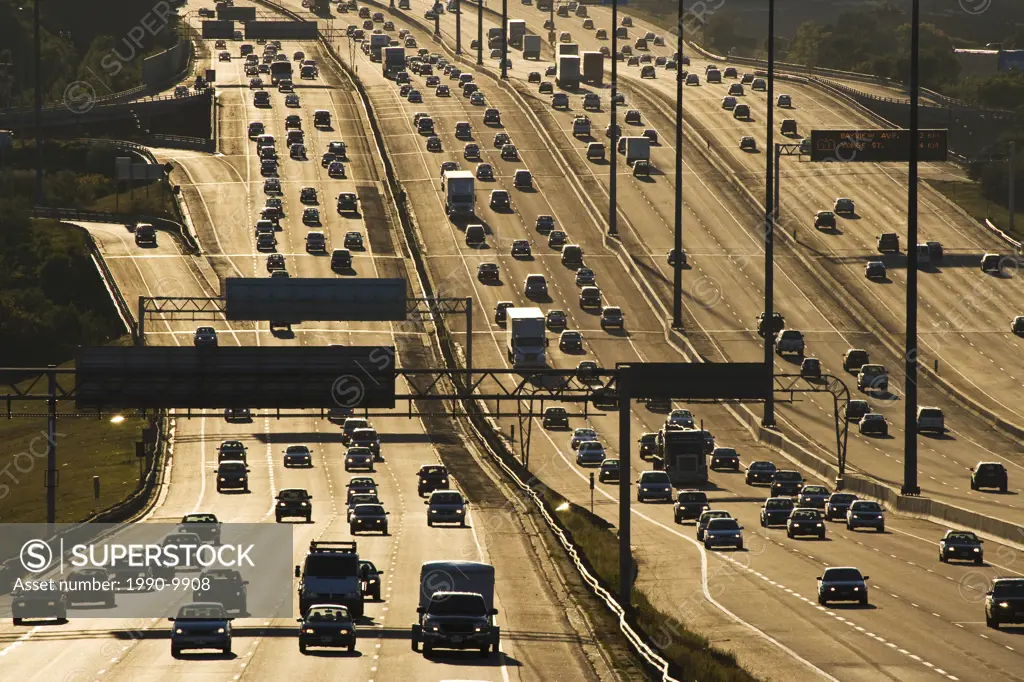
[968, 196]
[691, 655]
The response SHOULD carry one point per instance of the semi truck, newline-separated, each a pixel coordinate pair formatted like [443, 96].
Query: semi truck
[459, 193]
[682, 453]
[378, 41]
[531, 47]
[392, 60]
[568, 74]
[280, 71]
[516, 31]
[456, 608]
[525, 337]
[330, 575]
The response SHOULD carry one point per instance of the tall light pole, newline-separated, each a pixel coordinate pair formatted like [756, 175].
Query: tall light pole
[39, 104]
[910, 486]
[504, 39]
[768, 419]
[479, 32]
[613, 133]
[677, 249]
[458, 26]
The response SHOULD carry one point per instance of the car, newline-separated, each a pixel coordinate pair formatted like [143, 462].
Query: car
[810, 368]
[487, 272]
[789, 341]
[681, 419]
[297, 455]
[285, 85]
[775, 511]
[446, 506]
[934, 250]
[842, 583]
[359, 498]
[825, 219]
[1004, 603]
[327, 625]
[778, 323]
[854, 359]
[671, 257]
[500, 200]
[341, 259]
[353, 240]
[759, 84]
[358, 485]
[651, 134]
[805, 522]
[261, 98]
[231, 450]
[590, 452]
[476, 98]
[201, 625]
[291, 100]
[989, 475]
[415, 97]
[1017, 325]
[545, 88]
[311, 216]
[837, 505]
[370, 575]
[633, 117]
[844, 205]
[570, 341]
[433, 81]
[522, 179]
[873, 377]
[590, 297]
[471, 150]
[585, 277]
[963, 545]
[760, 472]
[706, 517]
[692, 79]
[930, 419]
[725, 458]
[293, 502]
[520, 248]
[358, 457]
[535, 285]
[449, 166]
[786, 482]
[555, 417]
[432, 477]
[611, 316]
[484, 171]
[748, 144]
[368, 517]
[433, 143]
[509, 152]
[856, 409]
[813, 497]
[586, 369]
[237, 415]
[785, 101]
[653, 485]
[89, 586]
[723, 531]
[224, 56]
[204, 336]
[500, 311]
[297, 151]
[874, 424]
[888, 242]
[865, 513]
[689, 505]
[580, 435]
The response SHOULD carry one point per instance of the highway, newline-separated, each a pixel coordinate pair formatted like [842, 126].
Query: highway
[723, 290]
[758, 604]
[223, 193]
[813, 637]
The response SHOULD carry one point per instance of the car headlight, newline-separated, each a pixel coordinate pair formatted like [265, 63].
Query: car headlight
[643, 489]
[308, 631]
[179, 631]
[305, 504]
[460, 511]
[50, 603]
[223, 479]
[434, 628]
[343, 631]
[977, 549]
[423, 480]
[856, 588]
[359, 520]
[220, 631]
[818, 524]
[280, 504]
[831, 589]
[1004, 604]
[478, 629]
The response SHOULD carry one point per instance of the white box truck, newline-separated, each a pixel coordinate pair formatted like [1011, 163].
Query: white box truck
[637, 148]
[459, 193]
[456, 608]
[526, 337]
[378, 41]
[568, 74]
[531, 47]
[516, 31]
[393, 61]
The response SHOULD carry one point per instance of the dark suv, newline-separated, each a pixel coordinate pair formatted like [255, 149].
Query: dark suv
[690, 504]
[777, 325]
[1005, 602]
[787, 483]
[431, 477]
[988, 475]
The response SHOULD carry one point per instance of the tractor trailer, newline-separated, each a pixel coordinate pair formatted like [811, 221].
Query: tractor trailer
[526, 337]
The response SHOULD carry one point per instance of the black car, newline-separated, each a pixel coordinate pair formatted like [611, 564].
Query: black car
[648, 445]
[368, 517]
[690, 504]
[787, 483]
[206, 526]
[431, 477]
[775, 511]
[224, 586]
[555, 417]
[760, 472]
[805, 522]
[725, 458]
[570, 341]
[369, 576]
[837, 505]
[1005, 602]
[293, 502]
[988, 475]
[327, 625]
[813, 496]
[777, 325]
[854, 358]
[962, 545]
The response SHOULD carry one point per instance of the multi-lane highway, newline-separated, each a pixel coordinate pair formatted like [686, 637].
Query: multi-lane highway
[759, 604]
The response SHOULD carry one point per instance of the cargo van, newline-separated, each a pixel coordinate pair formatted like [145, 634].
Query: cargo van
[475, 235]
[595, 151]
[789, 126]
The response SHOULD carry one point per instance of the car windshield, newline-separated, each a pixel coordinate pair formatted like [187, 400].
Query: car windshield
[815, 490]
[292, 494]
[584, 433]
[787, 476]
[446, 498]
[723, 524]
[693, 497]
[931, 413]
[363, 498]
[369, 510]
[866, 506]
[990, 468]
[232, 467]
[211, 611]
[762, 466]
[199, 518]
[1008, 588]
[778, 504]
[648, 439]
[610, 464]
[361, 483]
[328, 613]
[962, 537]
[842, 497]
[654, 477]
[725, 452]
[302, 449]
[457, 605]
[222, 574]
[808, 514]
[433, 471]
[843, 574]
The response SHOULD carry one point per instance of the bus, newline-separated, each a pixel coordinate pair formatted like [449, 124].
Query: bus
[682, 453]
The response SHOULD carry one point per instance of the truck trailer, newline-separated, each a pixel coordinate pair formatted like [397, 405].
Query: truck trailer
[460, 195]
[568, 74]
[516, 31]
[526, 337]
[378, 41]
[636, 148]
[531, 47]
[593, 67]
[393, 60]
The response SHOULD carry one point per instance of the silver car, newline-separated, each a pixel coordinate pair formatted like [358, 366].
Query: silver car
[590, 452]
[580, 435]
[930, 419]
[446, 506]
[723, 532]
